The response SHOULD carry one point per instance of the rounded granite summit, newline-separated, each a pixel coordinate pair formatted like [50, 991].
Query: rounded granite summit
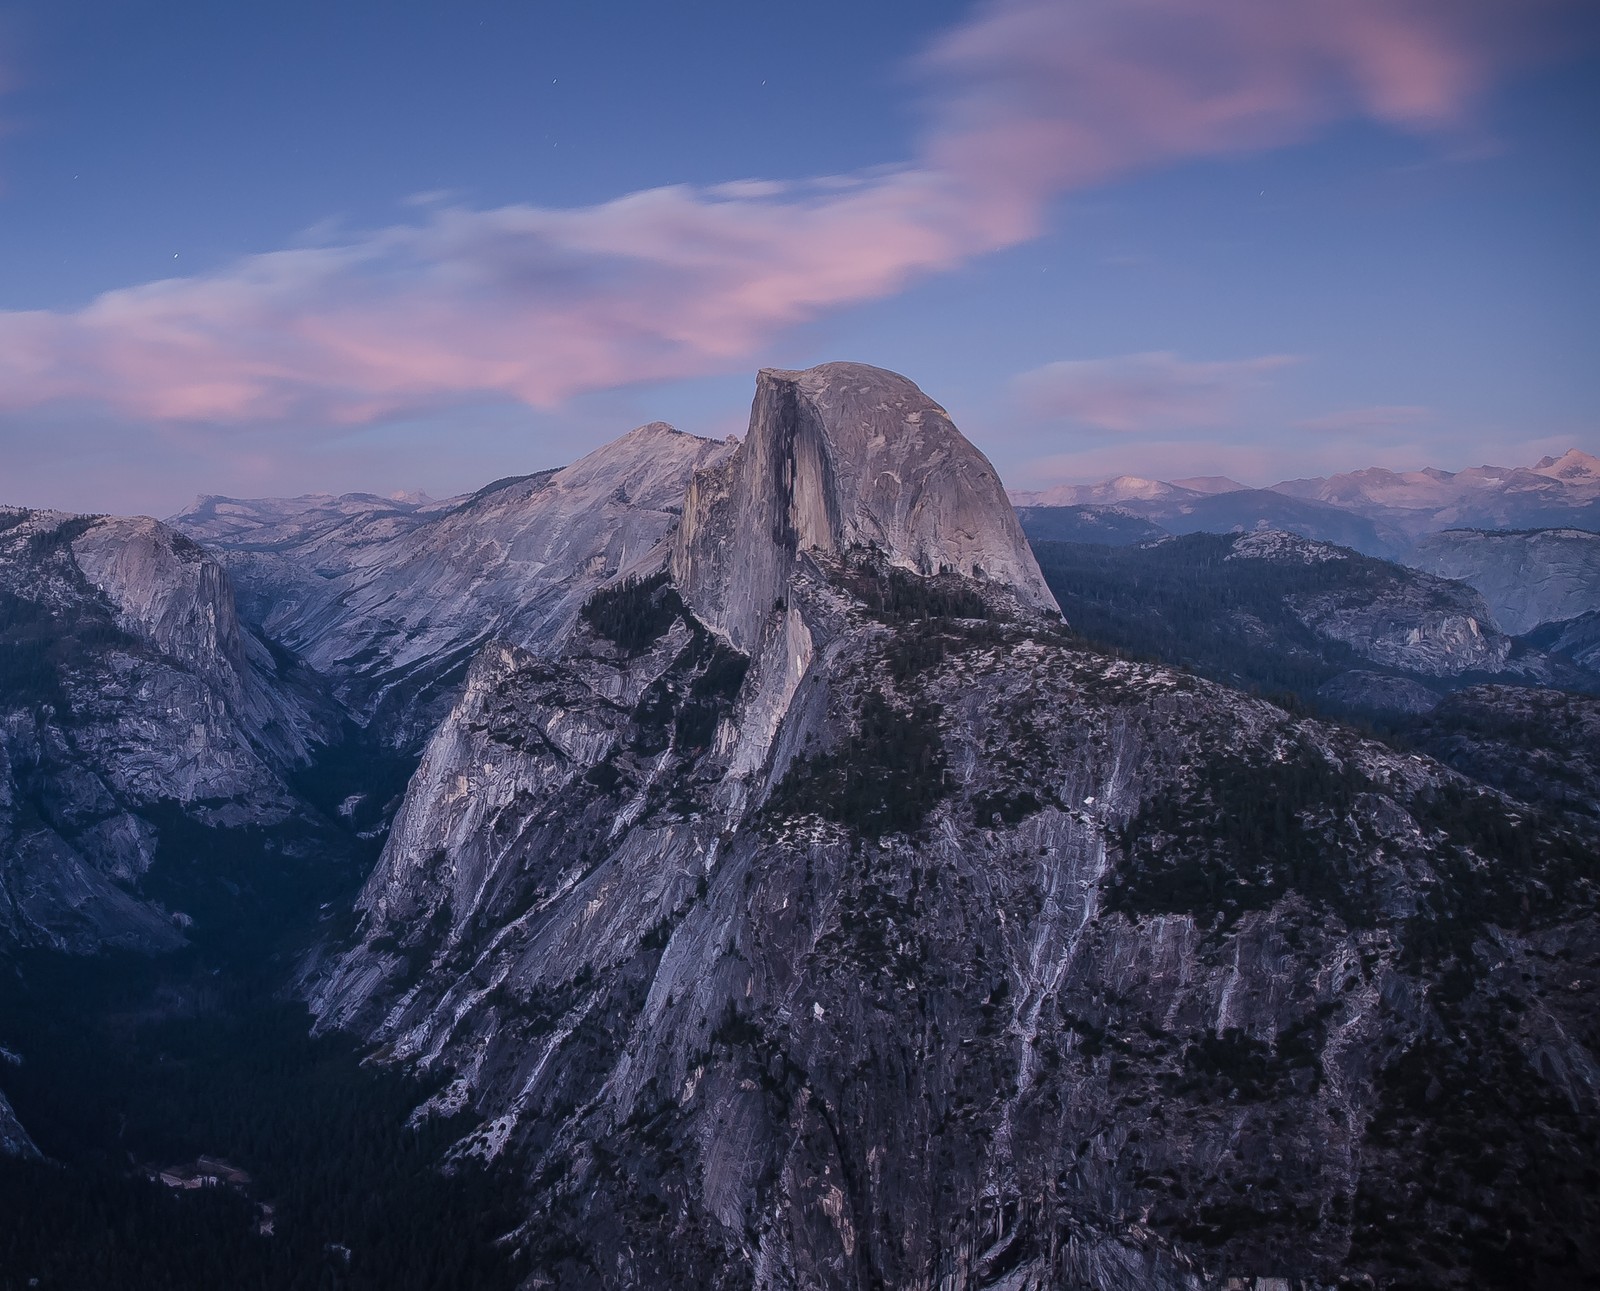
[839, 456]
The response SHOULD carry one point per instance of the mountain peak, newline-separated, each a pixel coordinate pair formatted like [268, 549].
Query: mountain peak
[652, 459]
[1574, 466]
[839, 456]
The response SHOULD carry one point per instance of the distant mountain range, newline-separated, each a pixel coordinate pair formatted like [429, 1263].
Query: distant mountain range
[1376, 511]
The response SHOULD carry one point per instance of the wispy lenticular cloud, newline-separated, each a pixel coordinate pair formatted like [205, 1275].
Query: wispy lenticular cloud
[1144, 392]
[1028, 99]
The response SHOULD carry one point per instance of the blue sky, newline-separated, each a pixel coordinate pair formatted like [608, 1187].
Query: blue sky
[254, 248]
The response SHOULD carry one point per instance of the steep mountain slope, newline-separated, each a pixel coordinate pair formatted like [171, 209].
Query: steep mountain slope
[322, 526]
[818, 918]
[1575, 639]
[1542, 746]
[128, 692]
[391, 602]
[1528, 577]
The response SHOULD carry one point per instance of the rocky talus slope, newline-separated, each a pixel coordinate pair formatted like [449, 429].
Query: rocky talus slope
[824, 914]
[391, 601]
[128, 690]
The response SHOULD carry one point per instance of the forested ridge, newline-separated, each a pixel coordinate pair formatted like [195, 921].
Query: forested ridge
[1183, 602]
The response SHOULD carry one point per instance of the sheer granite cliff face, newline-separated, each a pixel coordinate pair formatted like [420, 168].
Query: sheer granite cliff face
[818, 919]
[838, 457]
[129, 687]
[392, 602]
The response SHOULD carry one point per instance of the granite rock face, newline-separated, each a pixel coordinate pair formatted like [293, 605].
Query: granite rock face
[819, 918]
[391, 601]
[129, 686]
[1528, 578]
[839, 457]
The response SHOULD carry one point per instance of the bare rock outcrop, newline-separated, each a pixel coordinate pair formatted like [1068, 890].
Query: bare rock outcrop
[839, 457]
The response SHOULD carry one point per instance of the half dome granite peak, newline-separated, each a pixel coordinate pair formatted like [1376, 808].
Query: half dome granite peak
[840, 456]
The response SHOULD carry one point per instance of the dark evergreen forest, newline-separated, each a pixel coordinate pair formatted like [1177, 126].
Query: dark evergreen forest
[1182, 602]
[131, 1063]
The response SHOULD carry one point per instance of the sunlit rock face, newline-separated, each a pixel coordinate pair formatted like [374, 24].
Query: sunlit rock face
[816, 918]
[129, 686]
[1422, 624]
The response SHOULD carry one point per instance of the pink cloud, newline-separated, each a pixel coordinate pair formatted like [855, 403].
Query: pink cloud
[1027, 99]
[1143, 392]
[1044, 96]
[531, 303]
